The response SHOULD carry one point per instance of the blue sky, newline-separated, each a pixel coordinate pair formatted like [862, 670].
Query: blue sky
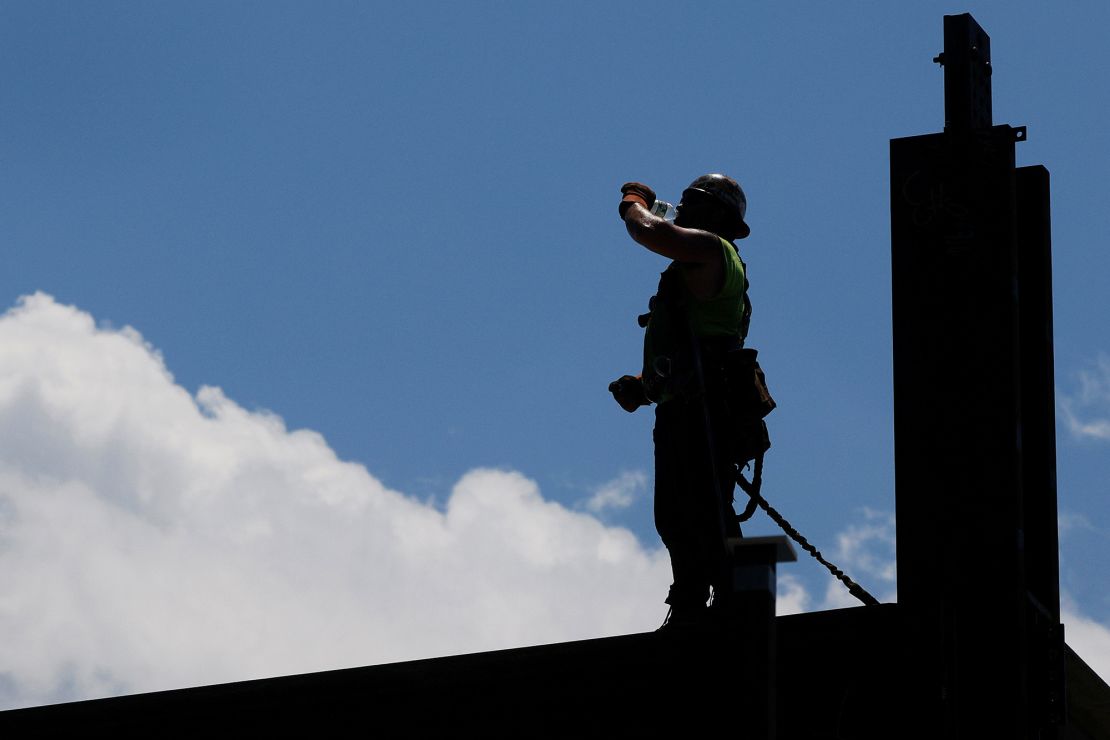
[396, 227]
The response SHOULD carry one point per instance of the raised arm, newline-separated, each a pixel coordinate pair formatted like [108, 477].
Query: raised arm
[699, 251]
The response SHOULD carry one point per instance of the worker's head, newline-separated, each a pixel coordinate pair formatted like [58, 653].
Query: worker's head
[714, 203]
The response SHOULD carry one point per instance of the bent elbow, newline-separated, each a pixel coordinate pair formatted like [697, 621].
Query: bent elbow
[641, 229]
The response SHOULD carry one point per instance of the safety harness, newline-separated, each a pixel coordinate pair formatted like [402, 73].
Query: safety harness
[748, 402]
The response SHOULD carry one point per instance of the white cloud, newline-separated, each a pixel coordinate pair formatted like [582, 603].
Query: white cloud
[792, 596]
[1087, 410]
[150, 539]
[865, 551]
[153, 539]
[1088, 638]
[618, 493]
[1070, 521]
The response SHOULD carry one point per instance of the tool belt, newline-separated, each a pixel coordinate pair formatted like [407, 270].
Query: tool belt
[749, 401]
[733, 382]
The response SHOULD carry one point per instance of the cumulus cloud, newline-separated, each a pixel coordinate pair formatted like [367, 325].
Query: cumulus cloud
[792, 597]
[1087, 410]
[1089, 638]
[618, 493]
[865, 550]
[151, 538]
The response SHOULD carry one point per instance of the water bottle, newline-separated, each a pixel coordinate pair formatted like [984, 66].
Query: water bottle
[663, 210]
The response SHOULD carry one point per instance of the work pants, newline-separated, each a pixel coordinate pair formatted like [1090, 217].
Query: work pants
[688, 508]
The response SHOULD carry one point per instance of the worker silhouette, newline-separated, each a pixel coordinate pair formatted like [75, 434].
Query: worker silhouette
[698, 320]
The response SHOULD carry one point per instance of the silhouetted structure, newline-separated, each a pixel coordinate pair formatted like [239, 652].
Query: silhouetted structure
[973, 649]
[974, 411]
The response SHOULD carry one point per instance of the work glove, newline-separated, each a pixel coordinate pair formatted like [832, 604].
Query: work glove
[628, 390]
[635, 192]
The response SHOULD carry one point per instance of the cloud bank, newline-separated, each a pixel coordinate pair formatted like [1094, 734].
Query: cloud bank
[151, 538]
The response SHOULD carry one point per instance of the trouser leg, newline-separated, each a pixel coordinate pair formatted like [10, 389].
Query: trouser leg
[687, 503]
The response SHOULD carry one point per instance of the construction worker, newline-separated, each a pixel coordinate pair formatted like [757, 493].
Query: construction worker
[699, 313]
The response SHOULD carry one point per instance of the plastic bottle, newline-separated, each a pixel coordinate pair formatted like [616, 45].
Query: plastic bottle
[664, 210]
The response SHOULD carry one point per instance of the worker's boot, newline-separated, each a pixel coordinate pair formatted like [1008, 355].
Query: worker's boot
[687, 612]
[684, 619]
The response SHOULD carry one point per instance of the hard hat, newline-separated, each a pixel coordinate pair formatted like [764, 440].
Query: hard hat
[728, 193]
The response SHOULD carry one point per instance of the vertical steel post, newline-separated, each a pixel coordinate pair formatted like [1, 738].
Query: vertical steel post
[974, 444]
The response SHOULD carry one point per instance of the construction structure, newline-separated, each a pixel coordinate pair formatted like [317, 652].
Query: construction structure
[974, 412]
[974, 647]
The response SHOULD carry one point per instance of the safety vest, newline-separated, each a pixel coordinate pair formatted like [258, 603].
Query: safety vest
[675, 311]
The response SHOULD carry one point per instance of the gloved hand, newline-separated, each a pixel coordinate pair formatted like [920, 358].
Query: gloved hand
[628, 390]
[635, 192]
